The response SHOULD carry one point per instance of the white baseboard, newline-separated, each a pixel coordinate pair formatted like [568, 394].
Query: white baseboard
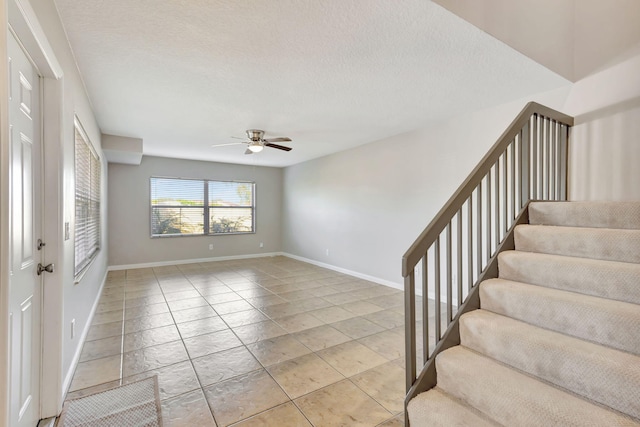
[190, 261]
[76, 357]
[346, 271]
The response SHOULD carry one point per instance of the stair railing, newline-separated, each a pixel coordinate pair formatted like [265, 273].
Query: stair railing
[459, 248]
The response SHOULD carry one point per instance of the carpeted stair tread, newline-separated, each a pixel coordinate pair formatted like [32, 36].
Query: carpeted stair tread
[595, 243]
[586, 214]
[603, 321]
[435, 408]
[512, 398]
[608, 279]
[602, 374]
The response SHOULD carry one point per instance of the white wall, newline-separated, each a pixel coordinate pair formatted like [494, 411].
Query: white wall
[368, 204]
[605, 141]
[76, 299]
[130, 242]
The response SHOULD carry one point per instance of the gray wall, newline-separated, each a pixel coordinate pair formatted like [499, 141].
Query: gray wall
[129, 230]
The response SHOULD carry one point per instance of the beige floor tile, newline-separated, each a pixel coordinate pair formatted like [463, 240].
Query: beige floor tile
[397, 421]
[386, 318]
[223, 365]
[94, 372]
[206, 289]
[173, 380]
[341, 298]
[201, 326]
[313, 303]
[259, 331]
[202, 345]
[351, 358]
[241, 397]
[332, 314]
[145, 310]
[286, 415]
[299, 322]
[184, 304]
[388, 301]
[282, 310]
[242, 318]
[196, 313]
[276, 350]
[385, 384]
[189, 409]
[361, 308]
[150, 337]
[147, 322]
[342, 404]
[154, 357]
[136, 302]
[254, 293]
[304, 374]
[357, 327]
[105, 330]
[109, 306]
[321, 337]
[222, 298]
[232, 307]
[323, 290]
[108, 317]
[265, 301]
[177, 296]
[388, 344]
[98, 349]
[143, 293]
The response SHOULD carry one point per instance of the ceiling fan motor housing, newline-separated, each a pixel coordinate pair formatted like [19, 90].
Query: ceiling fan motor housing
[255, 134]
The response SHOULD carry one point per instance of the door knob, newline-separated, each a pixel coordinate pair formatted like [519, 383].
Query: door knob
[42, 268]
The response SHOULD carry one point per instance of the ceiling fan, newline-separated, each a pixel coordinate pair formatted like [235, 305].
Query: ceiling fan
[256, 142]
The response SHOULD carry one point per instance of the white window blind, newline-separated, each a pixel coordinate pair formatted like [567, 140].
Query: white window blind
[87, 202]
[201, 207]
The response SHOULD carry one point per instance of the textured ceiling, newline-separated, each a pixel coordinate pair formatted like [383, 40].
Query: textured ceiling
[330, 74]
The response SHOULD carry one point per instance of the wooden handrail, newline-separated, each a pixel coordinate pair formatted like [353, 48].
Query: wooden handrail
[433, 230]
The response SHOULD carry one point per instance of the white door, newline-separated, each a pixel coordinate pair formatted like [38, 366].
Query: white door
[25, 284]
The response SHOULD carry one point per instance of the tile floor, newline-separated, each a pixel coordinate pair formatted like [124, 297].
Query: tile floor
[258, 342]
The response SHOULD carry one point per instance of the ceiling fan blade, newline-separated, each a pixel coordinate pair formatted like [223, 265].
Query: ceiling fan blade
[279, 147]
[280, 139]
[224, 145]
[248, 151]
[238, 137]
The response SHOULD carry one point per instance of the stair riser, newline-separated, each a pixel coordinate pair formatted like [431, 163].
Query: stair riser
[613, 280]
[606, 244]
[598, 373]
[610, 323]
[515, 399]
[586, 214]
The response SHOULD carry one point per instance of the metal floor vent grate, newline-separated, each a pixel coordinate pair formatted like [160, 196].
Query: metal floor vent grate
[134, 404]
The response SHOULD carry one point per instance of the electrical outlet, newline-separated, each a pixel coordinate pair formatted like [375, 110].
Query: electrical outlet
[261, 245]
[210, 246]
[327, 252]
[73, 328]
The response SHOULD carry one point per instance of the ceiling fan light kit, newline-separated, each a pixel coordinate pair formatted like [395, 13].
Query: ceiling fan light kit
[256, 142]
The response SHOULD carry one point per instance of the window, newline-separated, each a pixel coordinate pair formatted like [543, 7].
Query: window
[87, 201]
[192, 207]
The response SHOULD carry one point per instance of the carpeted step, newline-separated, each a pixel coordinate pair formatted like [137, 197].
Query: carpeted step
[512, 398]
[604, 375]
[607, 279]
[594, 243]
[603, 321]
[586, 214]
[435, 408]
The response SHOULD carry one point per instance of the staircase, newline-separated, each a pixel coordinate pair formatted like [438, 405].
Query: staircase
[556, 341]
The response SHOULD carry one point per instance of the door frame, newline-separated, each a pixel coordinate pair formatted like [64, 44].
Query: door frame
[19, 17]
